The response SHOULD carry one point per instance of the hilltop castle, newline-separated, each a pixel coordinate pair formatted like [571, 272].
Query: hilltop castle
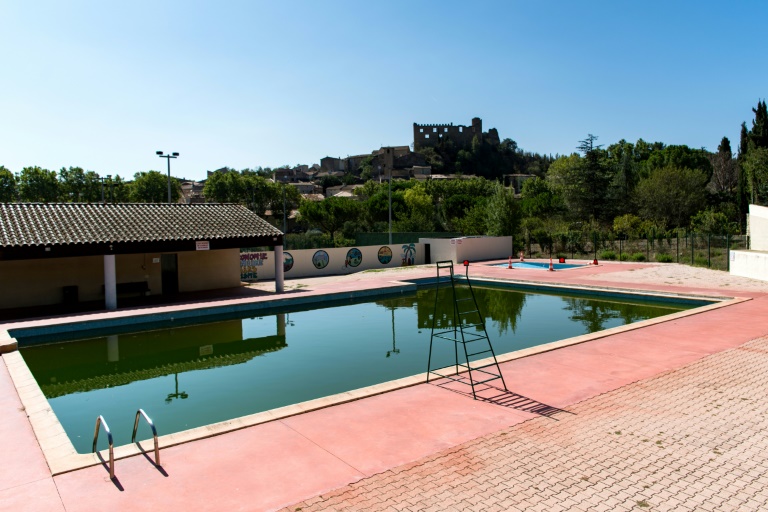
[425, 135]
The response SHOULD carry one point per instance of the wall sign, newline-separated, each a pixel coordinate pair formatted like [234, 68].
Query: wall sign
[354, 257]
[202, 245]
[320, 259]
[287, 261]
[385, 255]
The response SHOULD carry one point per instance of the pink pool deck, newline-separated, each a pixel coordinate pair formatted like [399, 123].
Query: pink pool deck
[290, 460]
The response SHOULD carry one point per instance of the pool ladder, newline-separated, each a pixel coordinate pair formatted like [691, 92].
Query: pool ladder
[465, 333]
[100, 421]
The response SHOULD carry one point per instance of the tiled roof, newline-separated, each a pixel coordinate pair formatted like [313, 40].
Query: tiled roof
[32, 224]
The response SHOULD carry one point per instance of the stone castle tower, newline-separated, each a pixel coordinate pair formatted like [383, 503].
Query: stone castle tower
[425, 135]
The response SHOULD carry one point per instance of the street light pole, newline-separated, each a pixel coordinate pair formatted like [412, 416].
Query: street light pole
[390, 205]
[285, 223]
[168, 159]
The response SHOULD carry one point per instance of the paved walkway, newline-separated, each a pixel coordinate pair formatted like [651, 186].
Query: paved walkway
[587, 426]
[689, 439]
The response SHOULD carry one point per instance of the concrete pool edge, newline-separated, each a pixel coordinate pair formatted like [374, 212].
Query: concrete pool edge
[61, 456]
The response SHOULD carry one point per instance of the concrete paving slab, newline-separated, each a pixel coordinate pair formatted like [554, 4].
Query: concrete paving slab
[22, 460]
[36, 496]
[380, 432]
[253, 469]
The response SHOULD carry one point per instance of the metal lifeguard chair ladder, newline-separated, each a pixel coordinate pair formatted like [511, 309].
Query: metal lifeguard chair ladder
[468, 330]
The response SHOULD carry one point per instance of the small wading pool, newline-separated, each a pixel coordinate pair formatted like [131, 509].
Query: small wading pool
[193, 375]
[540, 266]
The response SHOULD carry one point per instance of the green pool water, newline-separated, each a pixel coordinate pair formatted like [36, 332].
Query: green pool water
[195, 375]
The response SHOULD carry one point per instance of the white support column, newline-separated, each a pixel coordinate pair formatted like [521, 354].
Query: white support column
[279, 274]
[110, 282]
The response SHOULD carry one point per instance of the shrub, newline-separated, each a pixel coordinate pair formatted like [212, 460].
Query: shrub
[700, 261]
[637, 256]
[663, 257]
[608, 255]
[624, 256]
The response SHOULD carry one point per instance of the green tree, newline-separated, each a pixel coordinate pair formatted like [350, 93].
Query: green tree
[329, 214]
[680, 157]
[8, 189]
[756, 169]
[671, 195]
[259, 192]
[38, 185]
[758, 135]
[225, 187]
[584, 182]
[420, 211]
[502, 213]
[539, 200]
[282, 197]
[473, 221]
[330, 181]
[712, 223]
[119, 190]
[152, 187]
[71, 184]
[622, 159]
[628, 225]
[724, 176]
[742, 186]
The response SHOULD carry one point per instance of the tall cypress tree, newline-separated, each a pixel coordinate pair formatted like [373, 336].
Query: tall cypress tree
[742, 188]
[759, 133]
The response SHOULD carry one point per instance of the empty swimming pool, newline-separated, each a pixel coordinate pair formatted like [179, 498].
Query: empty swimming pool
[195, 375]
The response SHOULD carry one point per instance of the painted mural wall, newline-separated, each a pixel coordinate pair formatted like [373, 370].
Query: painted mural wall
[259, 265]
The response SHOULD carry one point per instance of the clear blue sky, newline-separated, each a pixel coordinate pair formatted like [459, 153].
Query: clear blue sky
[103, 84]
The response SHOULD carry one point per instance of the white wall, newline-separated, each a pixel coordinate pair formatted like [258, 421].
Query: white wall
[753, 263]
[485, 248]
[469, 248]
[338, 263]
[440, 249]
[749, 264]
[758, 227]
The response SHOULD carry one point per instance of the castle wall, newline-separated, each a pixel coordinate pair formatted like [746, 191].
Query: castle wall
[426, 135]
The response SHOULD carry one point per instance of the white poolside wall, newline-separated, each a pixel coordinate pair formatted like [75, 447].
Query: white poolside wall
[303, 266]
[753, 263]
[469, 248]
[441, 249]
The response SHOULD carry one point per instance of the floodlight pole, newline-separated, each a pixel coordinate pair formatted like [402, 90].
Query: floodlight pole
[168, 159]
[389, 182]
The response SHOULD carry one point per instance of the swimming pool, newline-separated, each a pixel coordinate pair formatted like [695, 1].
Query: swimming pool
[195, 375]
[540, 265]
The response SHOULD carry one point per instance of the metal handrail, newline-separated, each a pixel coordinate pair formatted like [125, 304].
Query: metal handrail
[101, 421]
[151, 424]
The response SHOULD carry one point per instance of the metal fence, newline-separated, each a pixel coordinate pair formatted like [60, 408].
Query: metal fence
[690, 248]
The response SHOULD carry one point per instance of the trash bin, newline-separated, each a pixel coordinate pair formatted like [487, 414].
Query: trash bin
[70, 294]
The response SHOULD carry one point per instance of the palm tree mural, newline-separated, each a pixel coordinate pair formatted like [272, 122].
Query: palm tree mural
[409, 253]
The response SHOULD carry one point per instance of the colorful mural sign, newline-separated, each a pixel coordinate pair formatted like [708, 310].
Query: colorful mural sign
[409, 254]
[354, 257]
[250, 261]
[320, 259]
[287, 261]
[385, 255]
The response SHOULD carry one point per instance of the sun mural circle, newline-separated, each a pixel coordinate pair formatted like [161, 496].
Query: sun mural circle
[385, 255]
